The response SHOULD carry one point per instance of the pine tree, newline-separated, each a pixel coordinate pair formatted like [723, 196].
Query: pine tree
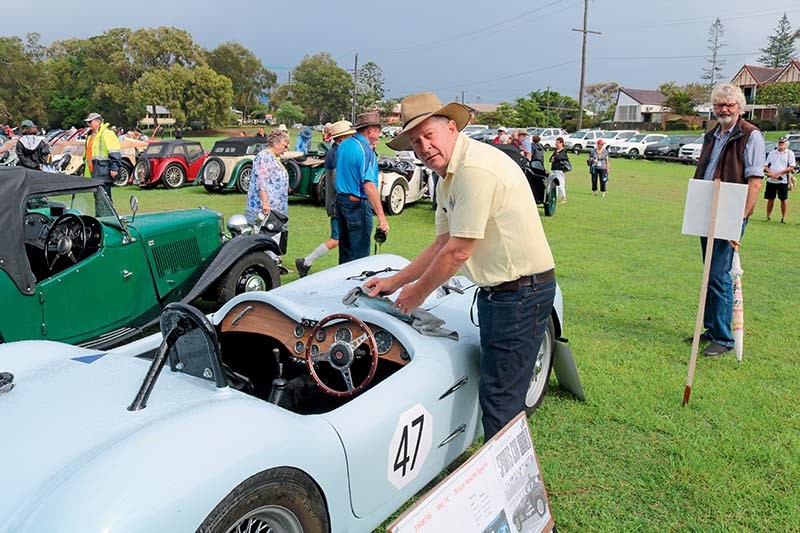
[715, 43]
[781, 47]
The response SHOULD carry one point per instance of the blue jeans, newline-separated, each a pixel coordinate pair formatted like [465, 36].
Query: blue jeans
[355, 227]
[718, 313]
[512, 326]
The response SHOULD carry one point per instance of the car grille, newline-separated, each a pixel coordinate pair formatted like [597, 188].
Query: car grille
[176, 256]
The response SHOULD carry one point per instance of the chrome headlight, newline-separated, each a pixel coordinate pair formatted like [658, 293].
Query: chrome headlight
[237, 225]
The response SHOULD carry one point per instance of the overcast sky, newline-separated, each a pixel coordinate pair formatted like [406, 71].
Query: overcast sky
[491, 51]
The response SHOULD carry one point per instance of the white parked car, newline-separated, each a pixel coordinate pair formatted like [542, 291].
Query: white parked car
[610, 138]
[577, 142]
[549, 136]
[634, 146]
[474, 128]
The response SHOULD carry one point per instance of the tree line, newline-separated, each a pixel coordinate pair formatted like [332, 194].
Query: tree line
[122, 71]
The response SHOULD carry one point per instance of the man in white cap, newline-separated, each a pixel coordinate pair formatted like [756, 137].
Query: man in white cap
[102, 153]
[779, 166]
[487, 226]
[337, 132]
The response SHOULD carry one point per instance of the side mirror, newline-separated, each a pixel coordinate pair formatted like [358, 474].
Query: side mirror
[134, 203]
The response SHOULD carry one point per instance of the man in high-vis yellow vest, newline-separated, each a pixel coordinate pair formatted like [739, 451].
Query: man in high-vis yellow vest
[102, 152]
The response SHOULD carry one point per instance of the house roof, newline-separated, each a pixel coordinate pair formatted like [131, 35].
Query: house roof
[644, 96]
[482, 108]
[763, 74]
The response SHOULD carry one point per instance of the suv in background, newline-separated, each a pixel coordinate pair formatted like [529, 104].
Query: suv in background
[668, 147]
[549, 136]
[635, 146]
[614, 136]
[577, 142]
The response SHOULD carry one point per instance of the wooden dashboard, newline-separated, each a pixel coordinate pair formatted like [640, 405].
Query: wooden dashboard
[264, 319]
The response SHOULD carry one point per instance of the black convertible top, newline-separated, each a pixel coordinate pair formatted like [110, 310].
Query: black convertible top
[236, 146]
[16, 185]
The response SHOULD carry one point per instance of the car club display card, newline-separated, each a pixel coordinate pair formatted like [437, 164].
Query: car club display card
[498, 490]
[730, 209]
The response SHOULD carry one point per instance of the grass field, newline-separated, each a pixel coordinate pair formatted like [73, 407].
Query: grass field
[631, 458]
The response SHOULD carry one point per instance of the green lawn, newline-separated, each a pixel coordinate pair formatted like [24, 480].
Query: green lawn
[630, 457]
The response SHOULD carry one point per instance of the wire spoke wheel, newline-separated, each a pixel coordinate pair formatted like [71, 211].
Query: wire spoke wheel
[268, 519]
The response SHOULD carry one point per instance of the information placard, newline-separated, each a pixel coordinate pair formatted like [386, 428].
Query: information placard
[730, 210]
[498, 490]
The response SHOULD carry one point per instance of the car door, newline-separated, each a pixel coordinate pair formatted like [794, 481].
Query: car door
[194, 158]
[403, 432]
[100, 293]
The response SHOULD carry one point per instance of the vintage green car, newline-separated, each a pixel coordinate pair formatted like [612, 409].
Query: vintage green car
[230, 164]
[306, 174]
[73, 270]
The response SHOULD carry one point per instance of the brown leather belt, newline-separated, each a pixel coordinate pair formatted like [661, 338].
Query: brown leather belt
[524, 281]
[350, 197]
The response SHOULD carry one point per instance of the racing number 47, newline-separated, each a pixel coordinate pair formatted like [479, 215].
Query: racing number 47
[401, 457]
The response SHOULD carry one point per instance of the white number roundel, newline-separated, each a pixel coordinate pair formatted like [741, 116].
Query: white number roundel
[410, 446]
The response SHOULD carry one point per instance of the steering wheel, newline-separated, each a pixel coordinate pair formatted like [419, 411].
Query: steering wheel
[341, 354]
[67, 234]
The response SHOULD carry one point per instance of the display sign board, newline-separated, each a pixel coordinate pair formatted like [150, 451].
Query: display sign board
[730, 210]
[498, 490]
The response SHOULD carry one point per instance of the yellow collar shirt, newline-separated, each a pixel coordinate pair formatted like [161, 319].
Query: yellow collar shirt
[485, 196]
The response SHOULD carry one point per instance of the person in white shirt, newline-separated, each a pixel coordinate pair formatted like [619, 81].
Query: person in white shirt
[780, 163]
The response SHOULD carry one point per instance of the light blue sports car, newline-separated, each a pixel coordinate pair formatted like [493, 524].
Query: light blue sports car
[287, 410]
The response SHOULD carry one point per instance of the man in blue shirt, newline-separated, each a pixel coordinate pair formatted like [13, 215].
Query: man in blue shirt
[357, 196]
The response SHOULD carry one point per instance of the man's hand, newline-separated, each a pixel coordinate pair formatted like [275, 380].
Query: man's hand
[383, 224]
[382, 286]
[409, 299]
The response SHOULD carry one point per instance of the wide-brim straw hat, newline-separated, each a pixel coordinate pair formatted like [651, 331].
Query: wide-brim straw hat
[416, 108]
[342, 127]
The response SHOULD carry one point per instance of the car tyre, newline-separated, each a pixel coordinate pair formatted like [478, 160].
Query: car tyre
[396, 200]
[577, 148]
[319, 190]
[281, 499]
[295, 174]
[174, 176]
[243, 182]
[255, 271]
[634, 153]
[672, 154]
[541, 372]
[213, 168]
[123, 177]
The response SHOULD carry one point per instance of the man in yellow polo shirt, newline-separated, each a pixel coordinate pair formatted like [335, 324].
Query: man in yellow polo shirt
[487, 226]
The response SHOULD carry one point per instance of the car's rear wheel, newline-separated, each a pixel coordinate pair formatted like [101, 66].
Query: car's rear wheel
[396, 200]
[255, 271]
[319, 189]
[281, 499]
[672, 154]
[541, 372]
[243, 183]
[174, 176]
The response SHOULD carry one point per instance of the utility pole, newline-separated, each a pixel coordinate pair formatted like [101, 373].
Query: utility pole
[462, 97]
[547, 111]
[584, 31]
[355, 87]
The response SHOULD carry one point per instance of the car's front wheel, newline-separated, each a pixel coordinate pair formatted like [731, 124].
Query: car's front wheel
[281, 499]
[174, 176]
[634, 153]
[123, 177]
[541, 372]
[577, 148]
[255, 271]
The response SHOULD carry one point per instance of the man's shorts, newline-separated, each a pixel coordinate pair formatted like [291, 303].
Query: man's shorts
[779, 189]
[334, 229]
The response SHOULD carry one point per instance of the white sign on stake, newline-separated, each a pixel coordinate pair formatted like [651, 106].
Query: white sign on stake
[498, 489]
[730, 212]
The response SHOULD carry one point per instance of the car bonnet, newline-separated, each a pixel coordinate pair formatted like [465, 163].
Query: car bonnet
[69, 406]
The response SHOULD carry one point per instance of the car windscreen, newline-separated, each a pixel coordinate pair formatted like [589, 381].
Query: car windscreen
[635, 138]
[579, 134]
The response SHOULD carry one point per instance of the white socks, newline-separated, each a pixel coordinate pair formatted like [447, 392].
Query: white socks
[318, 252]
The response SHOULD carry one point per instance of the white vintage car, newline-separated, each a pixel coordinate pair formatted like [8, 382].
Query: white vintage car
[402, 180]
[287, 410]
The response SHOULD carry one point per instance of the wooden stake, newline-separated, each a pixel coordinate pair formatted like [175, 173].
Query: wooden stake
[712, 226]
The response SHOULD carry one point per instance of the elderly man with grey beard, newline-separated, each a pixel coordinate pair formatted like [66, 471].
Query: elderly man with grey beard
[733, 152]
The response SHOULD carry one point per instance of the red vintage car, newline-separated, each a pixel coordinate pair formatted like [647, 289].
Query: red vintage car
[171, 162]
